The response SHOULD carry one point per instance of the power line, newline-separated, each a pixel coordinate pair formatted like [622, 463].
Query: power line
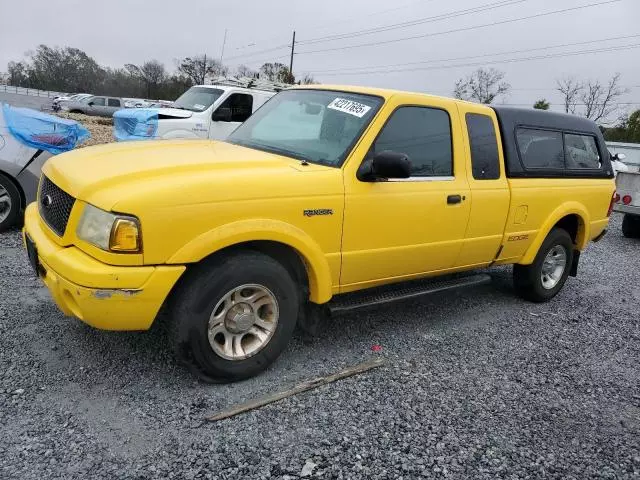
[411, 23]
[489, 62]
[464, 29]
[366, 68]
[385, 28]
[340, 22]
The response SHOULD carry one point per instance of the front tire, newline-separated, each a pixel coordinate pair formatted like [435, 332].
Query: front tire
[631, 226]
[10, 203]
[233, 315]
[545, 277]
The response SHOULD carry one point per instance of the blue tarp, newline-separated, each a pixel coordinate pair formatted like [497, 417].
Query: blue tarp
[43, 131]
[135, 124]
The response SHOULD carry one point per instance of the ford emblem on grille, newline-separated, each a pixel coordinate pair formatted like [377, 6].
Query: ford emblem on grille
[46, 201]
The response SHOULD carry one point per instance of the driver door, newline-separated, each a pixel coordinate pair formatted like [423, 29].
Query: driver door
[398, 229]
[230, 114]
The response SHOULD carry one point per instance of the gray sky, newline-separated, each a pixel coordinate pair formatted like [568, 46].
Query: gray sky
[132, 31]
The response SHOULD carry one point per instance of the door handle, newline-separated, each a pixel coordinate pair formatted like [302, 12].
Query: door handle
[453, 199]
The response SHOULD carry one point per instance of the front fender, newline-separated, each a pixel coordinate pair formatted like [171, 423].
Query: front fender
[268, 230]
[568, 208]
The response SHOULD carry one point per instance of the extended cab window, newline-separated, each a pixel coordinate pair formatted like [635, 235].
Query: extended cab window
[114, 102]
[485, 161]
[540, 148]
[581, 151]
[236, 108]
[424, 135]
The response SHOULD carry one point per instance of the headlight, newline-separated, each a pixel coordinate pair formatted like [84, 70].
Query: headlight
[108, 231]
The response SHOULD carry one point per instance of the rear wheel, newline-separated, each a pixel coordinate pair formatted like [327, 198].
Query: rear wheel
[10, 204]
[233, 316]
[545, 277]
[631, 226]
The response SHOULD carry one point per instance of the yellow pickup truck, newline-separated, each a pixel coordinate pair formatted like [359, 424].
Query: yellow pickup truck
[321, 200]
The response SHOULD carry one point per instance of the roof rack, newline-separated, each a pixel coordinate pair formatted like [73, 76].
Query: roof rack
[248, 82]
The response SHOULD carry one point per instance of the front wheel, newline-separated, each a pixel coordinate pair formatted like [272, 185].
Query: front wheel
[232, 316]
[10, 204]
[545, 277]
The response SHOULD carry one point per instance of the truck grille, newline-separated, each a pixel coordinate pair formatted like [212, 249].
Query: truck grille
[55, 205]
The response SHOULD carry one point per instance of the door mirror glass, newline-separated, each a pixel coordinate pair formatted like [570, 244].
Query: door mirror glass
[222, 114]
[385, 165]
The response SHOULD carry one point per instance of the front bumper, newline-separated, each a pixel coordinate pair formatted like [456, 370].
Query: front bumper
[104, 296]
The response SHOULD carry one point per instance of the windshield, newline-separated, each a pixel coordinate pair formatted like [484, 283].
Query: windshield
[198, 99]
[319, 126]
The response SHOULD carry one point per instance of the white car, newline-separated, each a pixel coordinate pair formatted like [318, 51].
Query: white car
[203, 111]
[61, 101]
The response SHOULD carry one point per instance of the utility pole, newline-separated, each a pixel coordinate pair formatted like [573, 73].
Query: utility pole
[224, 42]
[293, 46]
[204, 69]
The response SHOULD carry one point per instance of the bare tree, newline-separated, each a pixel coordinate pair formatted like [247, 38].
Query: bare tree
[244, 71]
[482, 86]
[600, 100]
[597, 101]
[307, 80]
[276, 72]
[151, 73]
[198, 68]
[570, 90]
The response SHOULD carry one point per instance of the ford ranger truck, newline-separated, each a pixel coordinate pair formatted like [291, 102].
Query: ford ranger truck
[327, 198]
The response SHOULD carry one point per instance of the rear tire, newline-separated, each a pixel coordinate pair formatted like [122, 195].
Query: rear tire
[545, 277]
[631, 226]
[10, 203]
[232, 316]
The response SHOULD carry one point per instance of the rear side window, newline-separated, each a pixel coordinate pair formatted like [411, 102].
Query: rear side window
[581, 151]
[485, 162]
[542, 149]
[114, 102]
[98, 101]
[422, 133]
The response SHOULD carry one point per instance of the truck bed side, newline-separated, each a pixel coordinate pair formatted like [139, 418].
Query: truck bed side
[554, 191]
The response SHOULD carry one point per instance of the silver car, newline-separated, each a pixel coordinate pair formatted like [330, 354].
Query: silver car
[20, 167]
[96, 105]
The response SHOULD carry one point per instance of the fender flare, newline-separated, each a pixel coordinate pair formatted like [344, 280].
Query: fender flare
[568, 208]
[318, 271]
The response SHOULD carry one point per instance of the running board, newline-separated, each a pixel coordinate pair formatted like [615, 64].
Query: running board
[398, 292]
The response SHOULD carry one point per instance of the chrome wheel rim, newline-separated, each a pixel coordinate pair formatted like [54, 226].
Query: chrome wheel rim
[5, 204]
[553, 267]
[243, 322]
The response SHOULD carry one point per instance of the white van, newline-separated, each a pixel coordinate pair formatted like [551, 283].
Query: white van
[207, 111]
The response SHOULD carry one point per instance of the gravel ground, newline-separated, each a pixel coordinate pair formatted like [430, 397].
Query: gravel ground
[477, 384]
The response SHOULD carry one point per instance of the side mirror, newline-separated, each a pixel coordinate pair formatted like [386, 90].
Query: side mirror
[619, 156]
[385, 165]
[90, 104]
[222, 114]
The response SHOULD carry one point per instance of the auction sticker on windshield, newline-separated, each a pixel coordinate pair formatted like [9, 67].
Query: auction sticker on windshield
[349, 106]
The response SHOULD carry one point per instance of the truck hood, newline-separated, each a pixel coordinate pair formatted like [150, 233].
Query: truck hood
[164, 113]
[162, 172]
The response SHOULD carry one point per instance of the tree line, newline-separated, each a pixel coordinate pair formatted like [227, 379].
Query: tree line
[70, 69]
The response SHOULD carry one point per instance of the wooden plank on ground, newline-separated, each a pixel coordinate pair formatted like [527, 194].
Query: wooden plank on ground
[302, 387]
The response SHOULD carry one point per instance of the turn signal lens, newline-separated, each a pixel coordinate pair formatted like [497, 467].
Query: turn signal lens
[626, 199]
[125, 236]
